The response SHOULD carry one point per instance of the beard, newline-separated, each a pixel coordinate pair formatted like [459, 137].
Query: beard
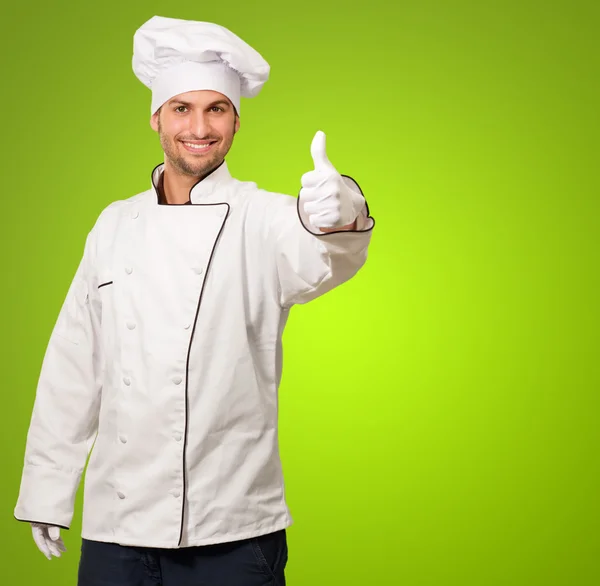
[194, 166]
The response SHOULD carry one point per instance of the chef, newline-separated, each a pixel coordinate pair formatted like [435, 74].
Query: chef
[165, 361]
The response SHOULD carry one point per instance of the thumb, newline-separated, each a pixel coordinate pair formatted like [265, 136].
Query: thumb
[54, 533]
[317, 151]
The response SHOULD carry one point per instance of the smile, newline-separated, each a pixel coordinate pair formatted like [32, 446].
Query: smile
[197, 148]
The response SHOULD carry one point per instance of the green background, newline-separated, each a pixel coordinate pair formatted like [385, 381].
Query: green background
[439, 412]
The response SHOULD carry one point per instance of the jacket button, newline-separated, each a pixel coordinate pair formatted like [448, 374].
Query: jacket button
[176, 493]
[198, 270]
[127, 380]
[187, 326]
[128, 270]
[177, 436]
[177, 379]
[123, 439]
[120, 495]
[135, 214]
[130, 325]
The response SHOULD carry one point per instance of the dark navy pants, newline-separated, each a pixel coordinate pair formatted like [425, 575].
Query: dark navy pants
[258, 561]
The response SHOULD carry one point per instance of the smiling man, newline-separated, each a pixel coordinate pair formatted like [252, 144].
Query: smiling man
[166, 358]
[196, 131]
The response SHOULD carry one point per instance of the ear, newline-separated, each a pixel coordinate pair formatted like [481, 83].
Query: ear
[154, 122]
[237, 123]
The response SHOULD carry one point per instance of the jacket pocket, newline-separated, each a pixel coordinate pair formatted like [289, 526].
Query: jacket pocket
[105, 293]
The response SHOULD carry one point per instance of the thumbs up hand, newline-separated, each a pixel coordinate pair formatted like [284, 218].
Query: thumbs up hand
[327, 200]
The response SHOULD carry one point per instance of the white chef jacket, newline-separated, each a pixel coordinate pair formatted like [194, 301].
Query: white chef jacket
[166, 359]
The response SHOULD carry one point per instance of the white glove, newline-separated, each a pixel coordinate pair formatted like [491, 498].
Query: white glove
[327, 200]
[48, 539]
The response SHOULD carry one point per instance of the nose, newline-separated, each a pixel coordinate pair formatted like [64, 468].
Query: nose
[200, 124]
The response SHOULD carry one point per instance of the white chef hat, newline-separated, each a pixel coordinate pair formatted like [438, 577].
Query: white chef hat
[172, 56]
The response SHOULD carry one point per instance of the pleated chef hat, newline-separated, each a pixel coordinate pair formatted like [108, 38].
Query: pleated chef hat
[173, 56]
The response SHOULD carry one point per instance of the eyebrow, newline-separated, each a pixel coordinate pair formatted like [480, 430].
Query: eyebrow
[188, 104]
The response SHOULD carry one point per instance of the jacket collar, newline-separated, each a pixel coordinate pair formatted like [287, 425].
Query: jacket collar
[215, 180]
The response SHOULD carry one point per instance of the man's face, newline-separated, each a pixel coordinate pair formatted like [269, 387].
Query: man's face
[190, 120]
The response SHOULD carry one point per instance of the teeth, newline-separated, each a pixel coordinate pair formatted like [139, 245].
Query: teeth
[197, 146]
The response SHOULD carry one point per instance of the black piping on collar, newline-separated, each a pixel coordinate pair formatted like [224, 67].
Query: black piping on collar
[189, 202]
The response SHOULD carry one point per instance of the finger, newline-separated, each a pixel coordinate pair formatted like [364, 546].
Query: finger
[315, 178]
[310, 179]
[38, 536]
[322, 193]
[54, 550]
[318, 152]
[320, 224]
[314, 200]
[43, 547]
[322, 219]
[54, 533]
[40, 540]
[317, 207]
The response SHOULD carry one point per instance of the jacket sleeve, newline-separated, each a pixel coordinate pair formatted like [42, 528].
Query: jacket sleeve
[65, 412]
[310, 262]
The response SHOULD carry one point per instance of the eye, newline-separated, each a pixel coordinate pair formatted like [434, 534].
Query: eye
[178, 108]
[216, 108]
